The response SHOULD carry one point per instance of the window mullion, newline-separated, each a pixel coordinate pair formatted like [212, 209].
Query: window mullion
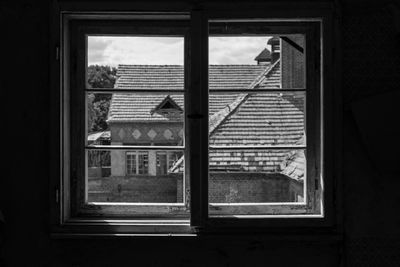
[197, 118]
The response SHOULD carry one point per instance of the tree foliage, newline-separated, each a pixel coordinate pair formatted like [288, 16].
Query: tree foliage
[101, 76]
[98, 104]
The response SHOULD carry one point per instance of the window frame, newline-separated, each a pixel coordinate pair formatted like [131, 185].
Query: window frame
[61, 221]
[312, 121]
[75, 90]
[137, 154]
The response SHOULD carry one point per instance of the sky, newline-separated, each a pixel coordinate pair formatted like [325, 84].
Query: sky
[114, 50]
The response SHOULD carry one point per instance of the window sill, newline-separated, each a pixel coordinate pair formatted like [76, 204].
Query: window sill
[311, 229]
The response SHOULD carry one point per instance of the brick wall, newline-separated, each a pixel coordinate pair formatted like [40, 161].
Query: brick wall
[162, 189]
[223, 187]
[248, 187]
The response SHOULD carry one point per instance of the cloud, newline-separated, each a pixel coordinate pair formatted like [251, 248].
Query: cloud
[137, 50]
[96, 48]
[236, 50]
[114, 50]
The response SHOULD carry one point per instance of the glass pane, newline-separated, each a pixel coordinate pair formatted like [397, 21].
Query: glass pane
[256, 176]
[141, 118]
[135, 62]
[135, 119]
[251, 119]
[131, 176]
[257, 62]
[257, 119]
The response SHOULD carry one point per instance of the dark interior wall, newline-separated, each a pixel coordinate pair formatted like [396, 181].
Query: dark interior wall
[370, 72]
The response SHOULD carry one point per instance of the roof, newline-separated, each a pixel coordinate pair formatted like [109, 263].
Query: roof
[247, 118]
[265, 55]
[170, 77]
[294, 164]
[167, 105]
[136, 107]
[139, 107]
[93, 137]
[262, 119]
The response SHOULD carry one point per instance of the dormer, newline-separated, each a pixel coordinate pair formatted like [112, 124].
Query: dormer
[264, 57]
[167, 106]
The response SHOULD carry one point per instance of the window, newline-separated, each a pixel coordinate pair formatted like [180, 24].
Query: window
[137, 162]
[209, 120]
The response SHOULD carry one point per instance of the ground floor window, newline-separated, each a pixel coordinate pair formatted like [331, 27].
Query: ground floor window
[137, 162]
[166, 160]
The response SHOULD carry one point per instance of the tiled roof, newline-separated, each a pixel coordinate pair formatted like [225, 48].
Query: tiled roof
[136, 107]
[262, 119]
[170, 77]
[93, 137]
[294, 164]
[269, 78]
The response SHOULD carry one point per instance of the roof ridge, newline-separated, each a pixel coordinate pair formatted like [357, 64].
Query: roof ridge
[219, 117]
[263, 75]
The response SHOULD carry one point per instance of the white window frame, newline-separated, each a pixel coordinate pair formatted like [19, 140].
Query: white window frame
[137, 155]
[196, 121]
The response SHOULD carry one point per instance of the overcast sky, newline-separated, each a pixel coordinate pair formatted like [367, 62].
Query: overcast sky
[111, 50]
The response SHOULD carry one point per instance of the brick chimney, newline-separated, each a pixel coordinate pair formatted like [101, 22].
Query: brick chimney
[275, 43]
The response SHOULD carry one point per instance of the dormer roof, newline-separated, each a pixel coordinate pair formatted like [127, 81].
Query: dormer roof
[265, 55]
[167, 105]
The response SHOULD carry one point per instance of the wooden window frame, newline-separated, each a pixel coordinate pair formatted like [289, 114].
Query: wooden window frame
[313, 204]
[196, 121]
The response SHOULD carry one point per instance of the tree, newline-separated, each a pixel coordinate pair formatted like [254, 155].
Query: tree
[101, 76]
[98, 104]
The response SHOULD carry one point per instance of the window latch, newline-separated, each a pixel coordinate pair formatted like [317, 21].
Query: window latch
[57, 195]
[57, 53]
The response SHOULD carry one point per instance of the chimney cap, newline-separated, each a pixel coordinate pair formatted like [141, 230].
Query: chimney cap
[273, 41]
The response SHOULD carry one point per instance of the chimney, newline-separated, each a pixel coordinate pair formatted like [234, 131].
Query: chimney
[275, 43]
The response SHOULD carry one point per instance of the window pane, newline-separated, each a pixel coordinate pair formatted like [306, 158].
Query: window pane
[256, 176]
[135, 119]
[131, 165]
[137, 112]
[249, 107]
[109, 56]
[131, 176]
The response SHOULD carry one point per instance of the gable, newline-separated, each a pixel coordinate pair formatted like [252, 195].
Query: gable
[168, 105]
